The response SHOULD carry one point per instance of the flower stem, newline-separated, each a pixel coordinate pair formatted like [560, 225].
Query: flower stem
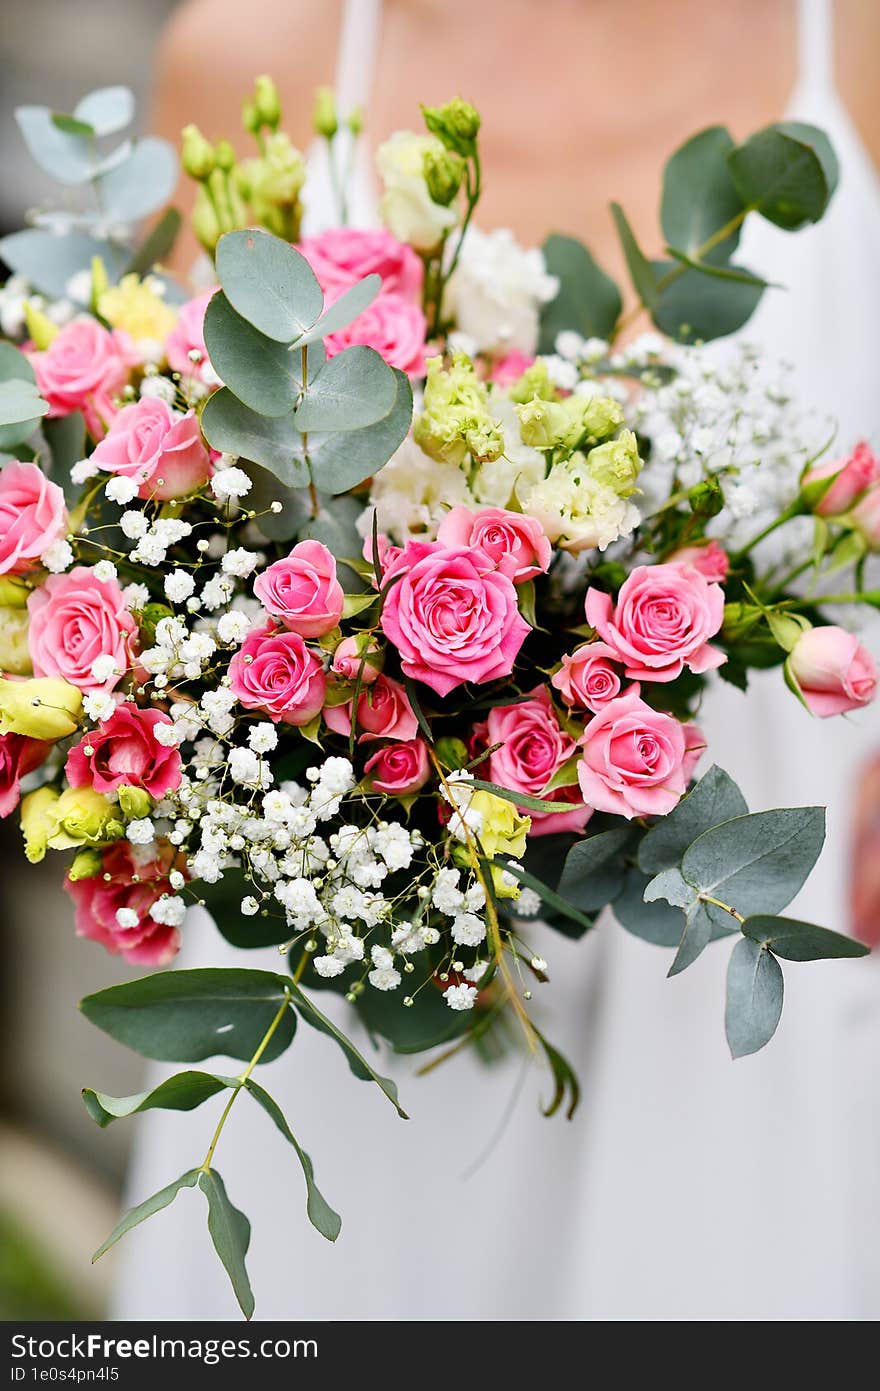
[242, 1080]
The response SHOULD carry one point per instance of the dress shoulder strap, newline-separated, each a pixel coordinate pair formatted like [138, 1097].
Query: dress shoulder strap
[816, 45]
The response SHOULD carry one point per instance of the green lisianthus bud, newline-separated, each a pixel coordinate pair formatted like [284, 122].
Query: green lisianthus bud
[41, 329]
[443, 175]
[599, 416]
[196, 154]
[205, 223]
[250, 118]
[86, 864]
[616, 463]
[706, 498]
[224, 155]
[82, 816]
[542, 424]
[325, 120]
[134, 803]
[456, 124]
[534, 382]
[355, 121]
[267, 101]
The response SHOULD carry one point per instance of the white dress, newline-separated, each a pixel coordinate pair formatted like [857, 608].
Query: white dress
[687, 1186]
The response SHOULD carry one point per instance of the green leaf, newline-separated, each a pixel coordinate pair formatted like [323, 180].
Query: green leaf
[354, 389]
[800, 941]
[821, 146]
[524, 799]
[671, 885]
[756, 863]
[737, 274]
[564, 1079]
[66, 438]
[698, 306]
[699, 195]
[342, 460]
[185, 1016]
[107, 110]
[48, 261]
[714, 799]
[781, 177]
[183, 1092]
[141, 183]
[754, 997]
[427, 1023]
[273, 442]
[321, 1214]
[657, 922]
[71, 126]
[640, 269]
[147, 1208]
[558, 901]
[68, 156]
[695, 938]
[21, 407]
[588, 301]
[156, 245]
[343, 310]
[14, 366]
[269, 283]
[594, 870]
[258, 370]
[358, 1065]
[231, 1234]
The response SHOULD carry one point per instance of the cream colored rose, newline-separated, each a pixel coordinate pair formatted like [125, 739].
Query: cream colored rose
[406, 207]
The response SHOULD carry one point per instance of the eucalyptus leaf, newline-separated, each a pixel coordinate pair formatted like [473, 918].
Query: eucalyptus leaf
[700, 196]
[335, 525]
[821, 146]
[69, 157]
[21, 407]
[588, 301]
[695, 938]
[230, 1232]
[321, 1214]
[343, 310]
[14, 366]
[107, 110]
[671, 885]
[657, 922]
[66, 438]
[273, 442]
[594, 871]
[48, 262]
[754, 997]
[340, 461]
[142, 183]
[427, 1023]
[358, 1065]
[698, 306]
[756, 863]
[269, 283]
[640, 268]
[223, 901]
[800, 941]
[147, 1208]
[258, 370]
[157, 245]
[355, 388]
[185, 1016]
[183, 1092]
[781, 177]
[714, 799]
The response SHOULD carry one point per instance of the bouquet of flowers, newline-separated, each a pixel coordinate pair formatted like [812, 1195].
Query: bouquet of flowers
[367, 597]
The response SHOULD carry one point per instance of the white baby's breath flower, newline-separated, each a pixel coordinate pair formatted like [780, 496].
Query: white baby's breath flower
[127, 917]
[98, 705]
[141, 832]
[230, 483]
[460, 997]
[83, 470]
[58, 557]
[121, 489]
[134, 525]
[179, 585]
[105, 570]
[239, 562]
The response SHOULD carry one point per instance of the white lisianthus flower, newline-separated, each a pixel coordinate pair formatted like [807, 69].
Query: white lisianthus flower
[576, 511]
[412, 493]
[497, 482]
[406, 207]
[496, 292]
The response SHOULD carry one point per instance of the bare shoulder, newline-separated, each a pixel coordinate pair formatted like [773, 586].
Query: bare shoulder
[857, 45]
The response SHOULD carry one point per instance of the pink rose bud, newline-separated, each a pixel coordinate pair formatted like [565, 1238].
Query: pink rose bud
[32, 517]
[302, 590]
[852, 476]
[709, 558]
[275, 672]
[399, 769]
[351, 663]
[588, 678]
[83, 369]
[128, 881]
[533, 746]
[514, 542]
[125, 752]
[18, 755]
[453, 617]
[866, 516]
[185, 348]
[833, 671]
[160, 449]
[662, 621]
[384, 712]
[635, 759]
[74, 619]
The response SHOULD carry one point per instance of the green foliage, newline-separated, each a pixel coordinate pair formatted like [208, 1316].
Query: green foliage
[426, 1023]
[780, 173]
[147, 1208]
[800, 941]
[756, 863]
[754, 997]
[700, 196]
[272, 441]
[321, 1214]
[183, 1092]
[594, 870]
[358, 1064]
[559, 902]
[714, 799]
[259, 370]
[230, 1232]
[588, 300]
[355, 389]
[657, 922]
[269, 283]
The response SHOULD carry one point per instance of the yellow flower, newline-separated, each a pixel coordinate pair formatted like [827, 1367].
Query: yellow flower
[134, 803]
[37, 822]
[82, 816]
[44, 708]
[134, 306]
[14, 654]
[504, 829]
[86, 864]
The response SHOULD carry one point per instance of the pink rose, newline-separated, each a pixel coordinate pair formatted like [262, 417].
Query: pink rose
[347, 254]
[707, 557]
[392, 325]
[833, 671]
[188, 336]
[275, 672]
[588, 678]
[634, 759]
[75, 618]
[533, 747]
[32, 516]
[663, 618]
[852, 476]
[383, 712]
[159, 448]
[125, 752]
[83, 368]
[508, 370]
[399, 769]
[349, 661]
[133, 877]
[18, 755]
[514, 542]
[694, 748]
[302, 590]
[866, 516]
[453, 617]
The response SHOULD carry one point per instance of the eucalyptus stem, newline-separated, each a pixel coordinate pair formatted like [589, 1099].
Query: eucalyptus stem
[707, 898]
[205, 1165]
[304, 372]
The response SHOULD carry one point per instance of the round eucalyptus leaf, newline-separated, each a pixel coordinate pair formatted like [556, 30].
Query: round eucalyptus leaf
[698, 306]
[781, 177]
[141, 183]
[48, 261]
[273, 442]
[106, 110]
[754, 998]
[269, 283]
[258, 370]
[757, 863]
[715, 798]
[14, 366]
[344, 310]
[340, 461]
[821, 146]
[587, 302]
[355, 388]
[800, 941]
[699, 195]
[68, 157]
[658, 922]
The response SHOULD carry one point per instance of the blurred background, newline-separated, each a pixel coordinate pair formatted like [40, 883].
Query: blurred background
[60, 1177]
